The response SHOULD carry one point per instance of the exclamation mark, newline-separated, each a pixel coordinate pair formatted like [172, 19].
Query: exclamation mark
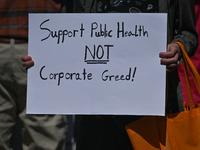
[134, 74]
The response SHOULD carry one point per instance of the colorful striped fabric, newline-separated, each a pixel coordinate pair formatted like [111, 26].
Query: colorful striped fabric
[14, 15]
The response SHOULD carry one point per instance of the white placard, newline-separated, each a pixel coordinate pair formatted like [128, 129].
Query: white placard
[97, 64]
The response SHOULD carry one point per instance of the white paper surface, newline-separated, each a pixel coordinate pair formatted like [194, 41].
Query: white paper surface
[97, 64]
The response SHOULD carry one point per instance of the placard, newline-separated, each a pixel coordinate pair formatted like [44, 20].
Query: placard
[97, 64]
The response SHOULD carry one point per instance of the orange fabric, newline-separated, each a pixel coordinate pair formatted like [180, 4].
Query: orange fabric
[193, 71]
[177, 131]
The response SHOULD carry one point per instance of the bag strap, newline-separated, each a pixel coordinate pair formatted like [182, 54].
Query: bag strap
[194, 72]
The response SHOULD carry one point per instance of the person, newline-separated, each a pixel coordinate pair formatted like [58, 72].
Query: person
[107, 132]
[39, 132]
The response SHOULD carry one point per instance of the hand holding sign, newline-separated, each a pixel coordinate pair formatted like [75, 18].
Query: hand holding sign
[27, 61]
[171, 57]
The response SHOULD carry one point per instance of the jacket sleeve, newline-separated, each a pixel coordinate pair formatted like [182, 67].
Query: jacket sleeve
[186, 32]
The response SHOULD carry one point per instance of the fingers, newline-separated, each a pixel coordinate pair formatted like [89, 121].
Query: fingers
[171, 67]
[26, 58]
[27, 61]
[170, 58]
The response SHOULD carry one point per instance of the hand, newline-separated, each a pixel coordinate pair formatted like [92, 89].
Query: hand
[170, 58]
[27, 61]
